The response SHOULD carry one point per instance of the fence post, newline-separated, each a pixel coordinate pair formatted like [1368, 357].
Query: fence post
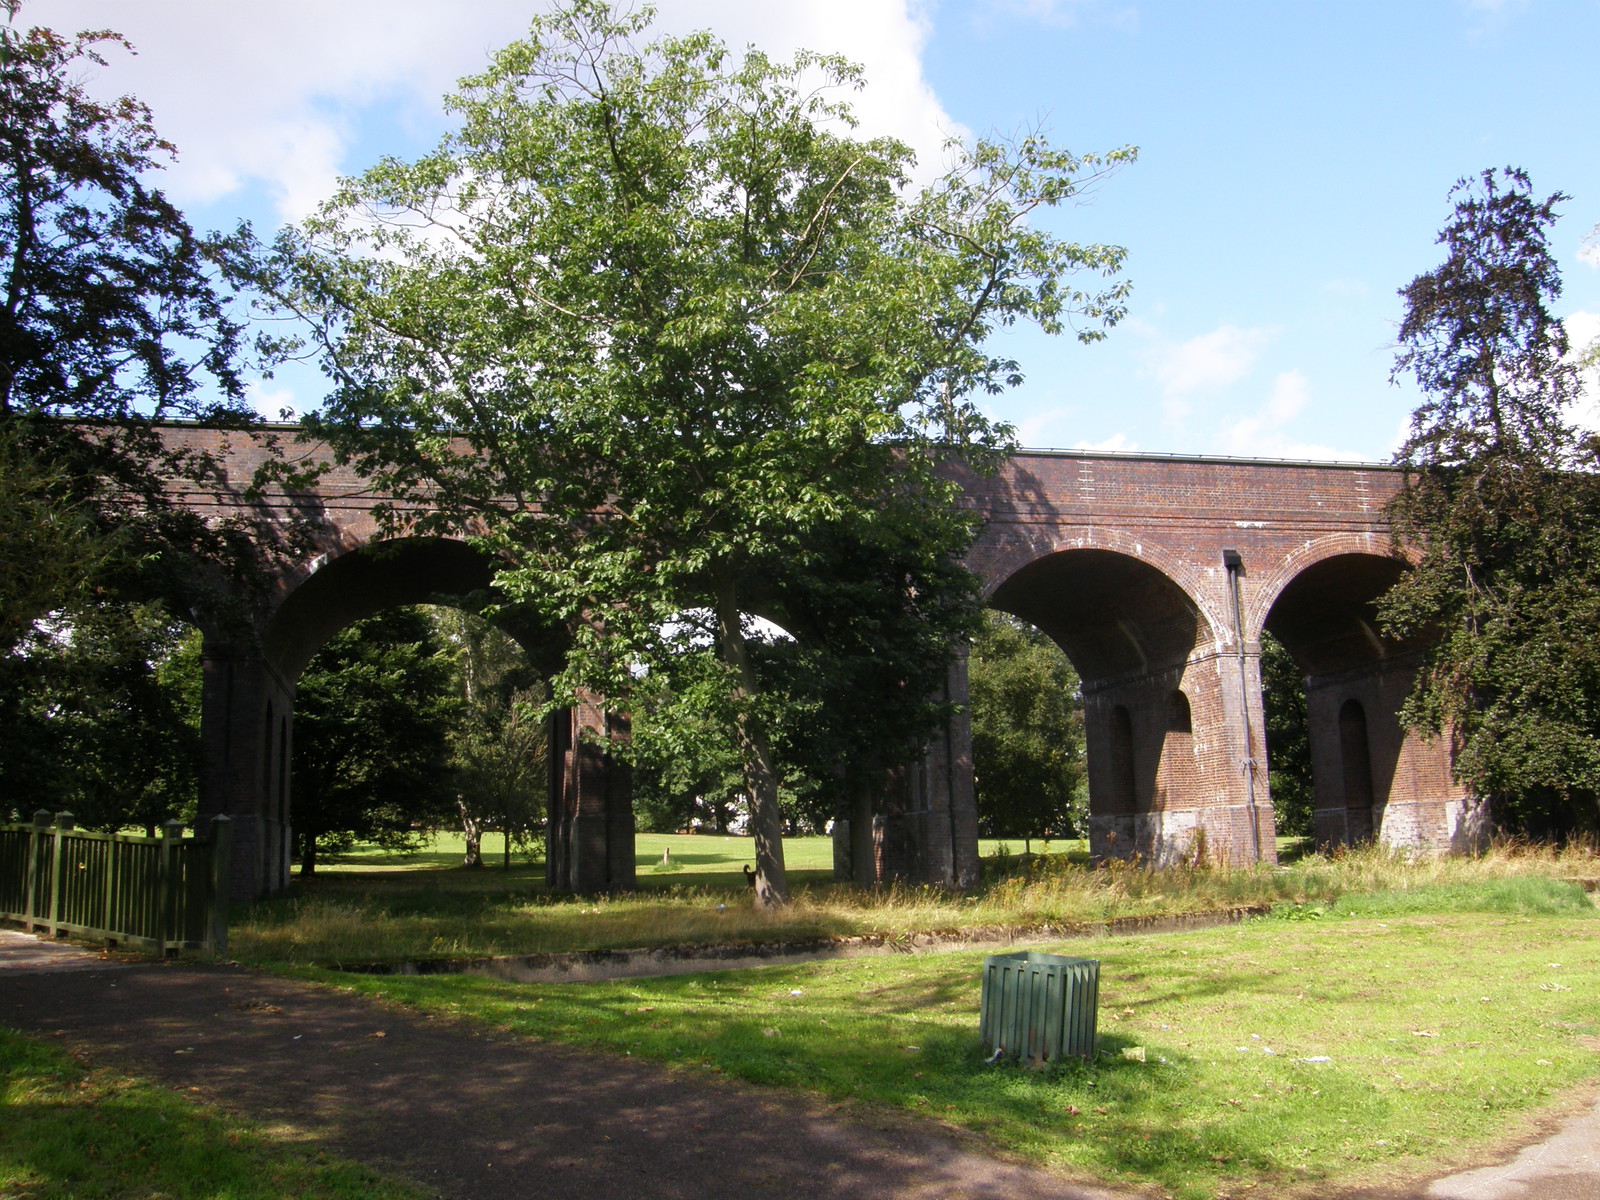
[63, 824]
[109, 920]
[169, 877]
[221, 836]
[41, 822]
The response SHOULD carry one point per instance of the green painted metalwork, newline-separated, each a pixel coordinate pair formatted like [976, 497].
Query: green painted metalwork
[1039, 1007]
[159, 894]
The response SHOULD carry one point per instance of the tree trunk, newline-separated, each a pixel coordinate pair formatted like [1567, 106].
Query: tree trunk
[760, 776]
[472, 831]
[308, 855]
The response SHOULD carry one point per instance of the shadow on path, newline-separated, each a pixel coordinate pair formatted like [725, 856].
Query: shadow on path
[481, 1116]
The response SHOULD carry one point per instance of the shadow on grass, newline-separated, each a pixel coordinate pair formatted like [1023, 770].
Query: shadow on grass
[71, 1132]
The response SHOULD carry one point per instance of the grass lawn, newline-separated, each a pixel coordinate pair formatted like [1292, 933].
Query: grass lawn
[1392, 1017]
[663, 860]
[1381, 1037]
[72, 1132]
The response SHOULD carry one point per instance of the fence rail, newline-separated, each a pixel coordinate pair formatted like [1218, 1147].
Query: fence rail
[155, 893]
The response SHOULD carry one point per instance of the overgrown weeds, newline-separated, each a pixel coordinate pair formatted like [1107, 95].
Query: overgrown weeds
[427, 915]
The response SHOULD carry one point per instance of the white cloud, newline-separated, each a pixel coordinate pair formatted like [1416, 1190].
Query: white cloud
[269, 96]
[1583, 332]
[1116, 443]
[1265, 433]
[1202, 364]
[271, 402]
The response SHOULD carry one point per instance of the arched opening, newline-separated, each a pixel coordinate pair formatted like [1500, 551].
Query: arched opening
[415, 723]
[1177, 773]
[330, 612]
[1180, 720]
[1130, 631]
[1124, 771]
[1355, 761]
[1026, 716]
[1349, 680]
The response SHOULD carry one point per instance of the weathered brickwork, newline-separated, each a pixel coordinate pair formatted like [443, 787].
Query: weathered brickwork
[1119, 558]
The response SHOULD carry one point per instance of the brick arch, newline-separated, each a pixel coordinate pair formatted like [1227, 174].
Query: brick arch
[1001, 574]
[1260, 598]
[1322, 605]
[356, 582]
[1371, 777]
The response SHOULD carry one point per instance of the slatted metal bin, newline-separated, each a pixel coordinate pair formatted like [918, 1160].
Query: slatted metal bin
[1039, 1007]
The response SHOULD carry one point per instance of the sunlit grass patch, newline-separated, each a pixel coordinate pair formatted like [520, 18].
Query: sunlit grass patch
[1292, 1056]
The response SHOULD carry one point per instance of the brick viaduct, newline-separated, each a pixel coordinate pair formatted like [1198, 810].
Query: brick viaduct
[1155, 574]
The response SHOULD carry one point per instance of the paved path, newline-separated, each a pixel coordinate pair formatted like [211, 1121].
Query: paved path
[480, 1116]
[483, 1117]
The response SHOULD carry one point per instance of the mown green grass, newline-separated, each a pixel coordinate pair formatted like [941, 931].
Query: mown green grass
[690, 860]
[1448, 1013]
[74, 1132]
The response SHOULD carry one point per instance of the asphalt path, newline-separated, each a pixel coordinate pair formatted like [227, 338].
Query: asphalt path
[480, 1116]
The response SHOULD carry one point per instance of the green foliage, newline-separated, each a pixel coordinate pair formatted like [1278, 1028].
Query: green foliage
[1027, 733]
[50, 544]
[1501, 511]
[1283, 687]
[113, 315]
[374, 714]
[499, 747]
[103, 718]
[685, 772]
[656, 328]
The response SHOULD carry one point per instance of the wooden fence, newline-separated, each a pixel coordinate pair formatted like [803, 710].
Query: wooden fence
[161, 894]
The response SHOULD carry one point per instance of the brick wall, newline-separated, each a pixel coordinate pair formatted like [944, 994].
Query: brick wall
[1117, 557]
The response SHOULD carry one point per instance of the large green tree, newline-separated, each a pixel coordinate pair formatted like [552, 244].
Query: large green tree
[102, 717]
[654, 320]
[1027, 733]
[114, 316]
[1501, 512]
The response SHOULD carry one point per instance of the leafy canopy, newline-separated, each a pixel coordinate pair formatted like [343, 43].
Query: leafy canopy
[654, 323]
[1501, 512]
[113, 316]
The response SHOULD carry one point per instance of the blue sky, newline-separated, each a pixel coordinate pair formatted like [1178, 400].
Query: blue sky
[1293, 170]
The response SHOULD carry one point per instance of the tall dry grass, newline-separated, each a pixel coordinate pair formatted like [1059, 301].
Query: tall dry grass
[418, 918]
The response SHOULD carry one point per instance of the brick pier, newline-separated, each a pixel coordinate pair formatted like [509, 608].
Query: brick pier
[1155, 574]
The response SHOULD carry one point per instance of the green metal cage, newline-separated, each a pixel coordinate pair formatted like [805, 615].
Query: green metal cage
[1039, 1007]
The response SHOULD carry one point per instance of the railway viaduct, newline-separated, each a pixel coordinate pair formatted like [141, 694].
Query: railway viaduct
[1157, 575]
